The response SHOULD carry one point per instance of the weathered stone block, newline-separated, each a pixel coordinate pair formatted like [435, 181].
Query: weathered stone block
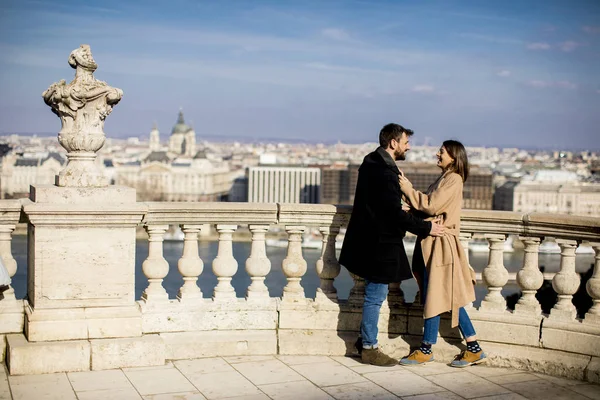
[82, 323]
[11, 316]
[145, 351]
[573, 337]
[316, 342]
[546, 361]
[82, 195]
[24, 358]
[592, 372]
[208, 315]
[186, 345]
[73, 266]
[501, 332]
[2, 348]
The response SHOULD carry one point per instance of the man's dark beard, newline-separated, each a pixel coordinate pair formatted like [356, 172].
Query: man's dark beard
[399, 156]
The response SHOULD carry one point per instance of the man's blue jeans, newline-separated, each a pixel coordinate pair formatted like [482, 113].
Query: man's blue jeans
[375, 294]
[432, 325]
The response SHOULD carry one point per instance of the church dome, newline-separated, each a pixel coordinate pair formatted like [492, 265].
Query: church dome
[180, 126]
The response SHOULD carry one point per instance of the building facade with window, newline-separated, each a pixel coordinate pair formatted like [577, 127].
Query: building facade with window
[284, 184]
[550, 191]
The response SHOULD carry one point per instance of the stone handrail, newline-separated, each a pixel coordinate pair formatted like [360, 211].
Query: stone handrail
[571, 227]
[186, 327]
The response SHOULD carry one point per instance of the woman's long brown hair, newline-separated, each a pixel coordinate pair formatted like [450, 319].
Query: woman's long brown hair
[456, 150]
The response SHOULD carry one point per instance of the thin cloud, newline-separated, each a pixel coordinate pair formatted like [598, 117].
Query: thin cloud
[344, 68]
[565, 85]
[591, 29]
[539, 84]
[569, 45]
[484, 16]
[504, 73]
[492, 39]
[423, 89]
[538, 46]
[335, 34]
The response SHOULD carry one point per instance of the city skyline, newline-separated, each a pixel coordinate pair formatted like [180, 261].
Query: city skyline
[520, 75]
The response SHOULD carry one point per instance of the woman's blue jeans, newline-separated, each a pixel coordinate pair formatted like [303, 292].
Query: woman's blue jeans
[375, 294]
[432, 325]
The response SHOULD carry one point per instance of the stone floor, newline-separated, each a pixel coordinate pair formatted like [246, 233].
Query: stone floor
[293, 377]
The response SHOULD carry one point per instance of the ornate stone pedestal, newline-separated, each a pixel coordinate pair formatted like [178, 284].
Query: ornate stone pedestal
[81, 262]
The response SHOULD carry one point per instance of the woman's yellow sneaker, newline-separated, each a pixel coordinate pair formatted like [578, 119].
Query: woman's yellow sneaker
[417, 357]
[466, 358]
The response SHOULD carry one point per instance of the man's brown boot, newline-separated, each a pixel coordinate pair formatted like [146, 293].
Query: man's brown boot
[377, 357]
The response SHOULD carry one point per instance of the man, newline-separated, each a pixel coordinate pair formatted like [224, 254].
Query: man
[373, 247]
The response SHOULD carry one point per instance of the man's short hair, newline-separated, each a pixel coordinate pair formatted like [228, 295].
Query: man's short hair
[391, 132]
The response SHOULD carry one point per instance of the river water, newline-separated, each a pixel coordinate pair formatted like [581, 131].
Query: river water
[275, 280]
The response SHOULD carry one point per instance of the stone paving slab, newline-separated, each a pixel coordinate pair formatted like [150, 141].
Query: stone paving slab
[294, 377]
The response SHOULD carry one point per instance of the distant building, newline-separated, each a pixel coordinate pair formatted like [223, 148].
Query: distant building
[339, 184]
[278, 184]
[183, 138]
[595, 169]
[239, 190]
[179, 174]
[19, 172]
[161, 178]
[504, 196]
[550, 192]
[335, 185]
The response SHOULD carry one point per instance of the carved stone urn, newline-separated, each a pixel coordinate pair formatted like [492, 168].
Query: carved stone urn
[82, 106]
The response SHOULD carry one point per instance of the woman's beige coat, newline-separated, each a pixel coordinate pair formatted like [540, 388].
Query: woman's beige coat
[451, 279]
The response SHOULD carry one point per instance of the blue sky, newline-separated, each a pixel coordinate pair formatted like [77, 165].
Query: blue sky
[507, 73]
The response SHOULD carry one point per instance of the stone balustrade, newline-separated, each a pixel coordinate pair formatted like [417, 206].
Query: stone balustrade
[95, 323]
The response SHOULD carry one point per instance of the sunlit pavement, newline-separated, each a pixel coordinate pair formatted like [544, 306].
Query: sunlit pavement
[294, 377]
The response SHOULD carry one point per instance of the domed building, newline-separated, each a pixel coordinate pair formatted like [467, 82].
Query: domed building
[183, 138]
[179, 173]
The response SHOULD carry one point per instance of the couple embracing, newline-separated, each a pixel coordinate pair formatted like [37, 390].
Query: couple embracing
[373, 247]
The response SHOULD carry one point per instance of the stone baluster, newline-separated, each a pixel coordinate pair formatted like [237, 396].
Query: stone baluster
[224, 265]
[395, 294]
[328, 268]
[357, 293]
[155, 267]
[190, 265]
[7, 259]
[495, 275]
[593, 289]
[464, 238]
[294, 265]
[258, 265]
[529, 278]
[566, 282]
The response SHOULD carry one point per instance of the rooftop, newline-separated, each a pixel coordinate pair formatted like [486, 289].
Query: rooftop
[294, 377]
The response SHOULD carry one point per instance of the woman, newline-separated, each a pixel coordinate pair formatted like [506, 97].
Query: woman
[446, 280]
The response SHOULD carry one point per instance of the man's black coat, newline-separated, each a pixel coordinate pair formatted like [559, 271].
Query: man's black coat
[373, 247]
